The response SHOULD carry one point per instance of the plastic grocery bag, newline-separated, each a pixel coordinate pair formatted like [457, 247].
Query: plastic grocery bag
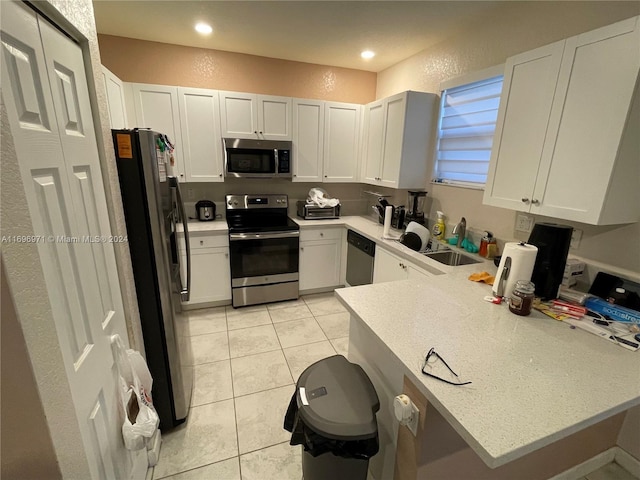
[140, 417]
[321, 198]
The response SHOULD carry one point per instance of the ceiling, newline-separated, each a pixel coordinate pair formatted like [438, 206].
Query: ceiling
[322, 32]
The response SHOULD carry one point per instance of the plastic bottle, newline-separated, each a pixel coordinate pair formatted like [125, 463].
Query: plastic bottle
[438, 228]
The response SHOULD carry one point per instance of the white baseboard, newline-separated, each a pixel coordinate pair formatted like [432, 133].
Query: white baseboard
[624, 459]
[627, 461]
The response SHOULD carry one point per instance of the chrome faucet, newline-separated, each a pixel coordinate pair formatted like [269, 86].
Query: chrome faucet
[461, 230]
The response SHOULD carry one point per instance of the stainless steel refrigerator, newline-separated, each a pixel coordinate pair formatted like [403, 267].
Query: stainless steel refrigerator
[155, 215]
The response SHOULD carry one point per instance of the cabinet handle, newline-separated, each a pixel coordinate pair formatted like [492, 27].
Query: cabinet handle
[325, 176]
[201, 242]
[220, 175]
[295, 175]
[302, 249]
[321, 234]
[525, 200]
[226, 255]
[535, 202]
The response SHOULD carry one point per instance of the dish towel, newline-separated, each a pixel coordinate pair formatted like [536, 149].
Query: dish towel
[485, 277]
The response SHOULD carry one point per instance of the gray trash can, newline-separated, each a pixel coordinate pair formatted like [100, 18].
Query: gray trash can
[332, 415]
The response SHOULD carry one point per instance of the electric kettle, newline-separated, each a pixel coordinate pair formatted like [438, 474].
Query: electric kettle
[205, 210]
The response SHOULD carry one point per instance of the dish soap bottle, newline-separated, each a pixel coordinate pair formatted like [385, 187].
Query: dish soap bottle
[438, 228]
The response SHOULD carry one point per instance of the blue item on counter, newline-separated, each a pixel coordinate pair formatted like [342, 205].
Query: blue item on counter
[614, 312]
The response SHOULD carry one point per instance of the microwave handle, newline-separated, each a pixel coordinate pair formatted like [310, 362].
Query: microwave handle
[275, 155]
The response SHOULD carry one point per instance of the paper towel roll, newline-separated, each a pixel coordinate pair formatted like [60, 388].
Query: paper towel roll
[388, 213]
[523, 258]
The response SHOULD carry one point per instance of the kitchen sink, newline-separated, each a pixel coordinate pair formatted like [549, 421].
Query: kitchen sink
[452, 258]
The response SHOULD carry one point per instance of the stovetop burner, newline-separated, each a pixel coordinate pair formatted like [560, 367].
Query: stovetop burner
[258, 213]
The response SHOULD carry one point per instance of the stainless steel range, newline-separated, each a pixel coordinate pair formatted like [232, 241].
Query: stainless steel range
[264, 249]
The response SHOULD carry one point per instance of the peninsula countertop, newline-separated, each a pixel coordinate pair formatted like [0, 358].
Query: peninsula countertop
[534, 379]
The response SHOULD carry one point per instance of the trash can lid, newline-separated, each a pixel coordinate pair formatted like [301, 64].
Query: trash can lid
[337, 400]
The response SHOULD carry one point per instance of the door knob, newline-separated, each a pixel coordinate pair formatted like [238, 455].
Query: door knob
[525, 200]
[535, 202]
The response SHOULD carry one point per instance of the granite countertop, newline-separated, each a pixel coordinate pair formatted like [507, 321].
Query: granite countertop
[534, 379]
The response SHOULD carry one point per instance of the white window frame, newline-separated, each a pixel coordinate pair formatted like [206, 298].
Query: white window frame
[461, 80]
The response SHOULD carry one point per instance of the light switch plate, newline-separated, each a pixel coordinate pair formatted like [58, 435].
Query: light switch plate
[524, 223]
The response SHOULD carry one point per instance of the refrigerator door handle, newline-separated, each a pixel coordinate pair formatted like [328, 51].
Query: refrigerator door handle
[185, 292]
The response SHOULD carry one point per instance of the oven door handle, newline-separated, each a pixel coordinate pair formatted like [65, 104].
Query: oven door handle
[263, 236]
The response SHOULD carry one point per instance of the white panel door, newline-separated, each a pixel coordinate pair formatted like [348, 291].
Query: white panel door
[201, 140]
[115, 99]
[373, 142]
[597, 81]
[47, 102]
[527, 96]
[308, 135]
[388, 268]
[157, 108]
[239, 115]
[341, 141]
[320, 264]
[395, 114]
[274, 117]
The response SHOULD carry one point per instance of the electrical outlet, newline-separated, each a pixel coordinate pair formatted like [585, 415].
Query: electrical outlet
[524, 223]
[413, 422]
[576, 236]
[189, 193]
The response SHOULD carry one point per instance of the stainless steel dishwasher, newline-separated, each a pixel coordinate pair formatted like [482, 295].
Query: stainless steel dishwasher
[360, 256]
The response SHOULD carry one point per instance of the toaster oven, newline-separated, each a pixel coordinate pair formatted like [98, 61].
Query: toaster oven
[311, 211]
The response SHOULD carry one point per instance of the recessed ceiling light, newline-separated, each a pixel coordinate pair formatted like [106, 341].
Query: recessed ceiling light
[203, 28]
[367, 54]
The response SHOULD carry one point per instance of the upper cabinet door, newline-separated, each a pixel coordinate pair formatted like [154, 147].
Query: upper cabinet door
[373, 140]
[239, 115]
[115, 99]
[341, 141]
[523, 117]
[308, 135]
[260, 117]
[585, 141]
[157, 108]
[394, 133]
[274, 117]
[202, 144]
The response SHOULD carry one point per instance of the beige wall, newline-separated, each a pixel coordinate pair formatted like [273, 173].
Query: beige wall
[151, 62]
[27, 449]
[518, 27]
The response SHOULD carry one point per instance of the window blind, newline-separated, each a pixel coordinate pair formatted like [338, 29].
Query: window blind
[466, 125]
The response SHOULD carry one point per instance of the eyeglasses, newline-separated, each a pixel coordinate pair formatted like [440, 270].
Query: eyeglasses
[433, 354]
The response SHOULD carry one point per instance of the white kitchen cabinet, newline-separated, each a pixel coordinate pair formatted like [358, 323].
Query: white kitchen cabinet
[388, 267]
[373, 137]
[247, 115]
[308, 136]
[341, 142]
[210, 268]
[566, 142]
[201, 140]
[115, 99]
[320, 257]
[398, 133]
[156, 107]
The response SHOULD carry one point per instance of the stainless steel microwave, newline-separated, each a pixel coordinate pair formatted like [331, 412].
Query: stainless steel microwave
[257, 158]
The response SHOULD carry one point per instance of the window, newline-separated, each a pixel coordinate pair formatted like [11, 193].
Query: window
[466, 125]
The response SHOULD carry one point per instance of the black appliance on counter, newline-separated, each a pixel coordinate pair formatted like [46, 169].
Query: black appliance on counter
[553, 243]
[153, 208]
[263, 249]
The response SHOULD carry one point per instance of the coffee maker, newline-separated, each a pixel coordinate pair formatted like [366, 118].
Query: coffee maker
[415, 201]
[553, 243]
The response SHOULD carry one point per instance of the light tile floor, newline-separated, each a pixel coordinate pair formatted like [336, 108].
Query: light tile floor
[246, 363]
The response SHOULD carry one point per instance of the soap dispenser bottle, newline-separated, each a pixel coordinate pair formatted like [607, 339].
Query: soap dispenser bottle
[438, 228]
[484, 243]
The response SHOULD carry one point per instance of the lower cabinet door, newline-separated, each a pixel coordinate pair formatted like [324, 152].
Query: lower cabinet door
[210, 275]
[319, 264]
[388, 267]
